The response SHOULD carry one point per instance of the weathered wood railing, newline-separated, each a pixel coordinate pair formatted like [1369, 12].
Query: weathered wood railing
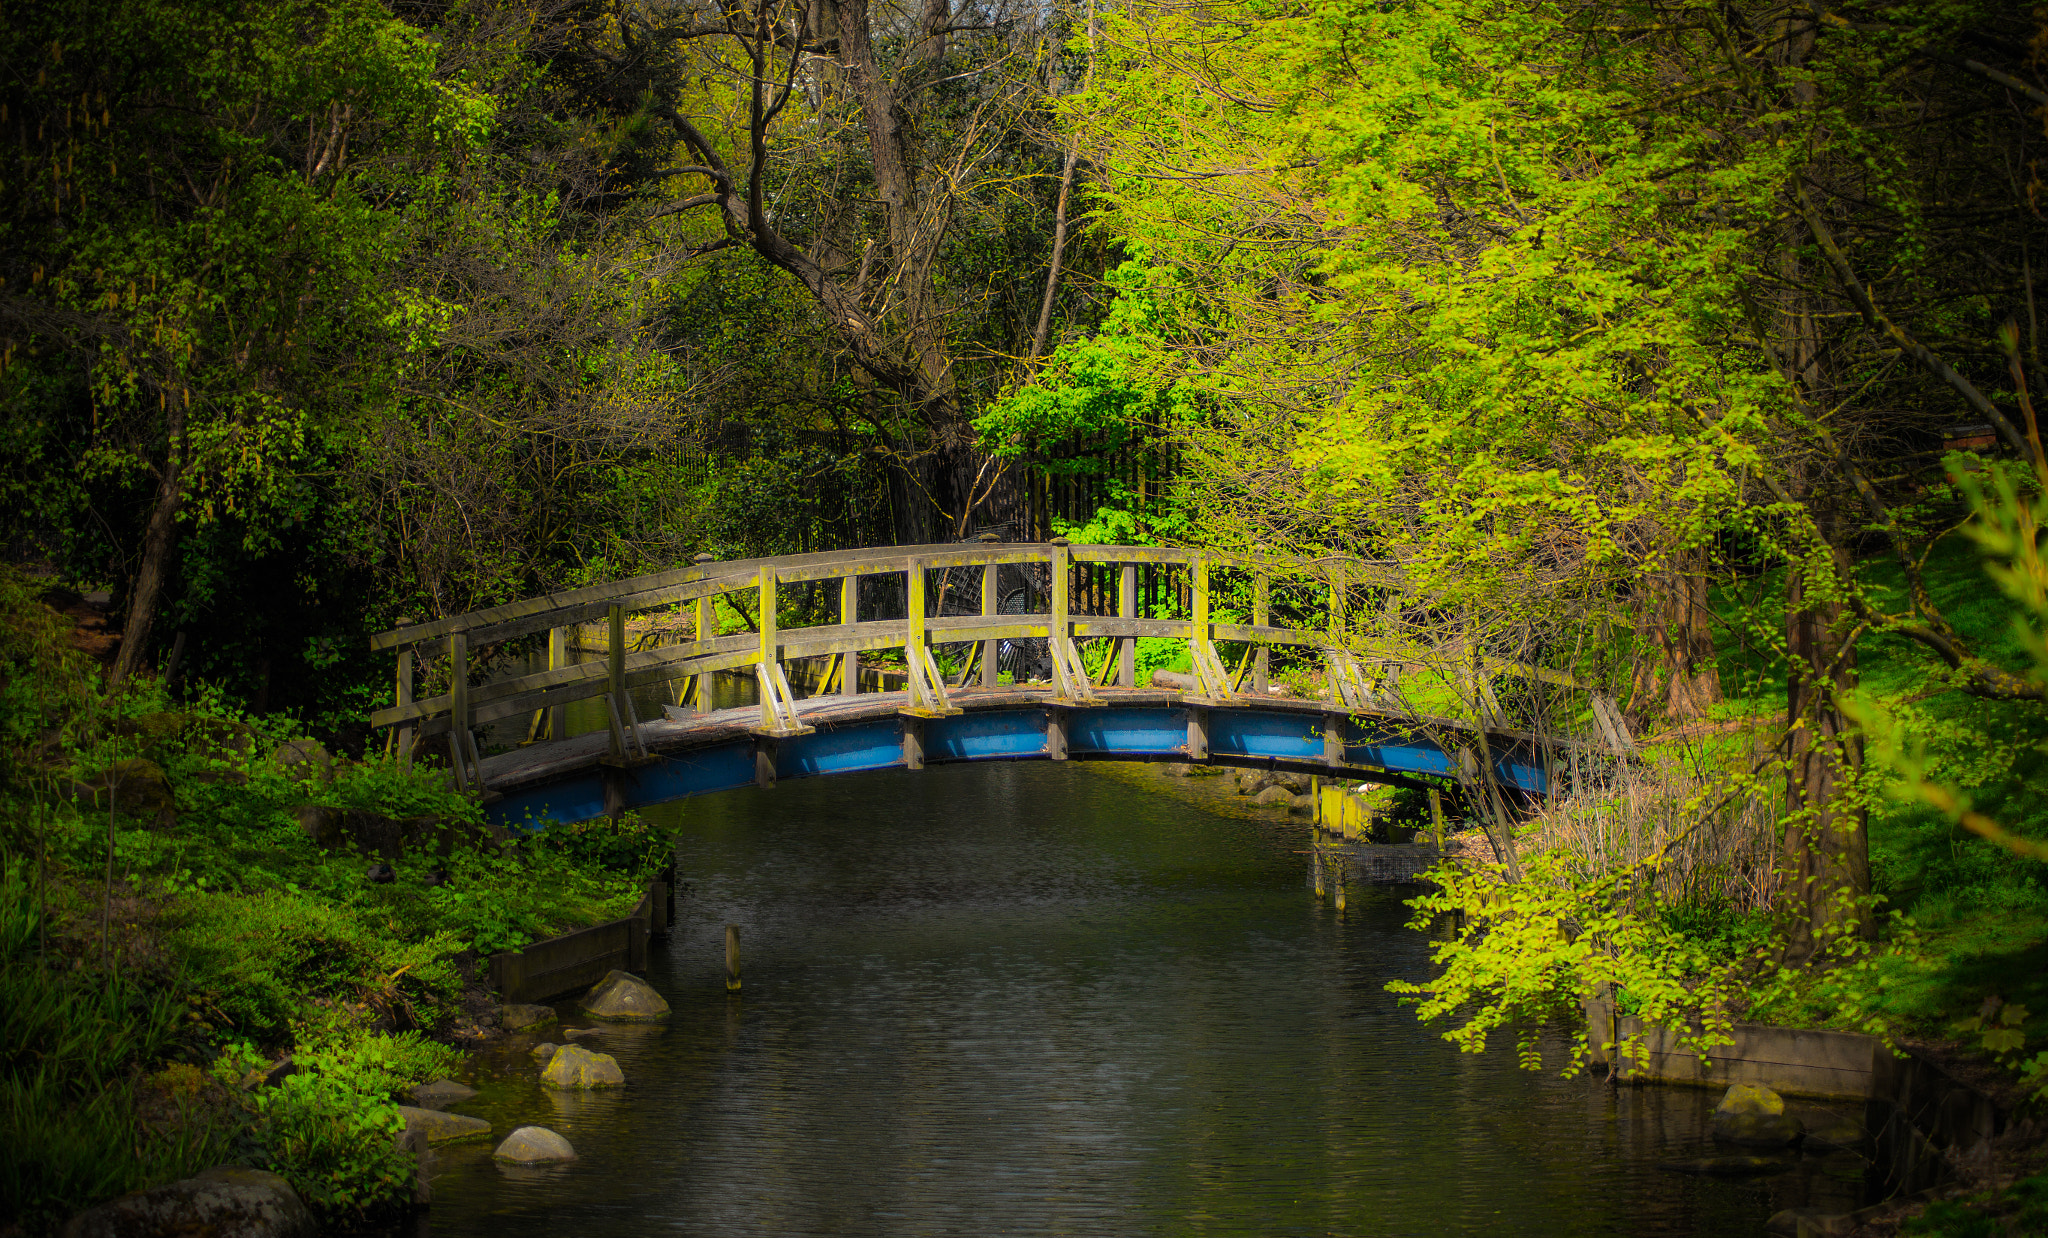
[771, 645]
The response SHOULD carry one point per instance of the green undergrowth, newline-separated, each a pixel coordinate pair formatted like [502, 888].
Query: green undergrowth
[1963, 924]
[133, 1010]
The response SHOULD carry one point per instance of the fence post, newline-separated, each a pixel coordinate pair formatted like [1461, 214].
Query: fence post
[1200, 607]
[558, 657]
[913, 613]
[1262, 616]
[1127, 606]
[707, 629]
[849, 613]
[615, 676]
[767, 660]
[458, 706]
[989, 648]
[1061, 569]
[406, 730]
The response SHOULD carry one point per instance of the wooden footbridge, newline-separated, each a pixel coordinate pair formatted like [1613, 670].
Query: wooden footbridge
[1358, 731]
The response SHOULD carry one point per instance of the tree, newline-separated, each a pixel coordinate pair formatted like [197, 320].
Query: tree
[1561, 308]
[197, 223]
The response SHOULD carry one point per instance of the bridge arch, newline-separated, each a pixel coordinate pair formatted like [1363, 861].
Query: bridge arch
[1359, 730]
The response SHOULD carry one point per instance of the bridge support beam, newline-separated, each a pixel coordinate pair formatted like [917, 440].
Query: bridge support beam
[764, 761]
[913, 742]
[1056, 733]
[1198, 733]
[1333, 740]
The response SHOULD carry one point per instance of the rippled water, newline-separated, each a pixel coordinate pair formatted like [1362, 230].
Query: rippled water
[1046, 999]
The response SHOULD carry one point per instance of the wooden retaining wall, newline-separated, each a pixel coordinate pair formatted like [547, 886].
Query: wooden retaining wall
[561, 965]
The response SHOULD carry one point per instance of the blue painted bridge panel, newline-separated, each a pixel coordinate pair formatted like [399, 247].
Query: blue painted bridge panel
[1255, 733]
[994, 735]
[1158, 731]
[1128, 732]
[838, 750]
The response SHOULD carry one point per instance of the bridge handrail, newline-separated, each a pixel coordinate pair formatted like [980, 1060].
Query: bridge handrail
[768, 647]
[527, 616]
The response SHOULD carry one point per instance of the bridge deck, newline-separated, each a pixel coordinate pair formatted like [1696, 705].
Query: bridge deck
[576, 778]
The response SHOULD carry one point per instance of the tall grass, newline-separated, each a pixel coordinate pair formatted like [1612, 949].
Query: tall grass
[72, 1041]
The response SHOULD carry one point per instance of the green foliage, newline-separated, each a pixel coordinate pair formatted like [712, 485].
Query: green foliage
[330, 1128]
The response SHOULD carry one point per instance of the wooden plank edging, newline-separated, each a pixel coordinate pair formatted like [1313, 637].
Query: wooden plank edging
[560, 965]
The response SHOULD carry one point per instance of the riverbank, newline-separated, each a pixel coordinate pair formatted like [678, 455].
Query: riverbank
[219, 942]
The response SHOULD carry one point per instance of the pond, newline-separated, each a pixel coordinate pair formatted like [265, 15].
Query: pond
[1046, 998]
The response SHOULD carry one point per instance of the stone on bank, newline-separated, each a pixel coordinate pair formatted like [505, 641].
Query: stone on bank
[623, 998]
[226, 1202]
[534, 1145]
[442, 1127]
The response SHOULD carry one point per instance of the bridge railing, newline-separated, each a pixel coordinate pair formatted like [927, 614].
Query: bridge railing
[766, 649]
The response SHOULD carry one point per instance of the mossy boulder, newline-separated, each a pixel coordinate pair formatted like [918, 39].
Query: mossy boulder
[574, 1066]
[441, 1093]
[524, 1017]
[623, 998]
[227, 1200]
[442, 1127]
[1754, 1116]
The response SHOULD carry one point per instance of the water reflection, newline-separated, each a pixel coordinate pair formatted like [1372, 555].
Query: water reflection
[1042, 999]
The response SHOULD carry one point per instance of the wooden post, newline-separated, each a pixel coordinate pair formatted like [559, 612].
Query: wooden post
[913, 742]
[732, 958]
[1127, 648]
[1336, 693]
[1340, 885]
[406, 730]
[1316, 865]
[615, 675]
[1056, 733]
[458, 705]
[1198, 732]
[989, 670]
[558, 657]
[849, 612]
[1200, 607]
[1436, 814]
[702, 691]
[1061, 568]
[769, 650]
[1262, 616]
[913, 635]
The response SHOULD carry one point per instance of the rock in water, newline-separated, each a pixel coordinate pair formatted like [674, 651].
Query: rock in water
[624, 998]
[523, 1018]
[534, 1145]
[443, 1127]
[574, 1066]
[1727, 1166]
[226, 1201]
[1836, 1135]
[1275, 795]
[543, 1051]
[1753, 1115]
[441, 1093]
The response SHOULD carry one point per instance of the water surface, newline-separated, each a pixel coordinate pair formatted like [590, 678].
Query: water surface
[1045, 999]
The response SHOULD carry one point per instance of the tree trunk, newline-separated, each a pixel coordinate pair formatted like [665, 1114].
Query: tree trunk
[158, 540]
[1825, 850]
